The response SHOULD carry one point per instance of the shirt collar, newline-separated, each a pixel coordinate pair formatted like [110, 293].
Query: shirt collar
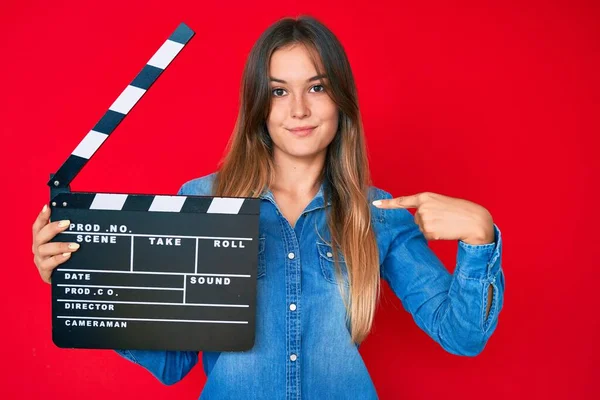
[317, 202]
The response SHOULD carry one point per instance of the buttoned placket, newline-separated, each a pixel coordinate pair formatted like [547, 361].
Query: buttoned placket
[293, 290]
[293, 282]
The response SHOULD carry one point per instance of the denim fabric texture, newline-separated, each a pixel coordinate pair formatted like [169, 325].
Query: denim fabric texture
[303, 348]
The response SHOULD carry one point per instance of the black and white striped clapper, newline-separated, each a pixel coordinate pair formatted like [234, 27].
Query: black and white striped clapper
[153, 271]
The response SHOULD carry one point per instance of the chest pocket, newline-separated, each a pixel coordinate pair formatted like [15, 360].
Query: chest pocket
[261, 269]
[328, 266]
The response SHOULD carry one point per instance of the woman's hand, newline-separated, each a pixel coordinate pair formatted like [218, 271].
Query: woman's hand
[446, 218]
[48, 256]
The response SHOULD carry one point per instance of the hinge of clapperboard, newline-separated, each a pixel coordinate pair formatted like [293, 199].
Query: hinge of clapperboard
[60, 181]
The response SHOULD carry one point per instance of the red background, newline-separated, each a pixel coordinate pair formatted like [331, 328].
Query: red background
[494, 103]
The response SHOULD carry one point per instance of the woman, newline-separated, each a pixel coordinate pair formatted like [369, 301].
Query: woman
[298, 144]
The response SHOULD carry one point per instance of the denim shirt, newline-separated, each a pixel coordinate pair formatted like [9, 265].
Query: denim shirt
[302, 345]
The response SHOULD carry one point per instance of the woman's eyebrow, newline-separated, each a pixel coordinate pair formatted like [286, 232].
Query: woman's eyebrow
[314, 78]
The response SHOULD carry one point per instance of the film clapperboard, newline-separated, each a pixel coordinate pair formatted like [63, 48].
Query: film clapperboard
[153, 271]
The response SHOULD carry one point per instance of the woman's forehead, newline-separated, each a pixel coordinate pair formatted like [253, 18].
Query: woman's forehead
[293, 64]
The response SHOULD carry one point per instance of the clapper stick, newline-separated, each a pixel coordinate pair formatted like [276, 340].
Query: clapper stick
[153, 271]
[121, 107]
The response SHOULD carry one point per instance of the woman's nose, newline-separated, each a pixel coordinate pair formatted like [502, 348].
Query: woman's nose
[300, 108]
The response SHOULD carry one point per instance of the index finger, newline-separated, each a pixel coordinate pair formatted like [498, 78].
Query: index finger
[41, 220]
[399, 202]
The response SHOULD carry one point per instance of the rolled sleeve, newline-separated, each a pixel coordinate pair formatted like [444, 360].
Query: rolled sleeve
[480, 261]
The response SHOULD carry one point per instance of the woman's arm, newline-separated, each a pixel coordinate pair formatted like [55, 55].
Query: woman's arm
[460, 310]
[168, 367]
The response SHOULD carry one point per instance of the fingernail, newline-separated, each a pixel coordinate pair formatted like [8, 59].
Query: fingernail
[65, 255]
[74, 245]
[64, 223]
[377, 203]
[44, 209]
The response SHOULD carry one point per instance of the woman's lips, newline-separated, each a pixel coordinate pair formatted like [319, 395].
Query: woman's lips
[302, 132]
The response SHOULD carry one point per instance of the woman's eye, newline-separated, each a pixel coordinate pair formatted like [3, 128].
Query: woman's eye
[319, 86]
[277, 92]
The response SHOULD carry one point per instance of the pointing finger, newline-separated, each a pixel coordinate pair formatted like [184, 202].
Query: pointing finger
[399, 202]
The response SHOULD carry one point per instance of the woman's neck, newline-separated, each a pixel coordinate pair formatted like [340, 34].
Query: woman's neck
[298, 176]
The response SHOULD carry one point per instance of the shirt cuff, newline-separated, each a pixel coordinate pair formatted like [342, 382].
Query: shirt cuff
[126, 354]
[479, 261]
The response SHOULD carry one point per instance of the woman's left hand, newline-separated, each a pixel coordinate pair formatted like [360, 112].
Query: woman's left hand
[446, 218]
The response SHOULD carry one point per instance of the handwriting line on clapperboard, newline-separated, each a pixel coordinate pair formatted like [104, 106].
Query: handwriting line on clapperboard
[149, 235]
[155, 303]
[117, 287]
[157, 319]
[154, 273]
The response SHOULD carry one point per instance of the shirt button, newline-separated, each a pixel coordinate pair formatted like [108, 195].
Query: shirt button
[293, 307]
[293, 357]
[291, 256]
[329, 254]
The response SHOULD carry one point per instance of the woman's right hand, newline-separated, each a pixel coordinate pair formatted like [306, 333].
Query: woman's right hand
[48, 256]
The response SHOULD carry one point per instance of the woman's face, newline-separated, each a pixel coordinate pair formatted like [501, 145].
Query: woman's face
[298, 100]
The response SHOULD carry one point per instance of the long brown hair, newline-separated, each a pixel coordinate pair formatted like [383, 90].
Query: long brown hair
[346, 170]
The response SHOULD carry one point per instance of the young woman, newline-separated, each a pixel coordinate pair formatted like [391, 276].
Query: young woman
[298, 144]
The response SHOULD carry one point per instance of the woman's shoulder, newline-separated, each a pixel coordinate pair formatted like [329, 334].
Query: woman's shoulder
[376, 193]
[200, 186]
